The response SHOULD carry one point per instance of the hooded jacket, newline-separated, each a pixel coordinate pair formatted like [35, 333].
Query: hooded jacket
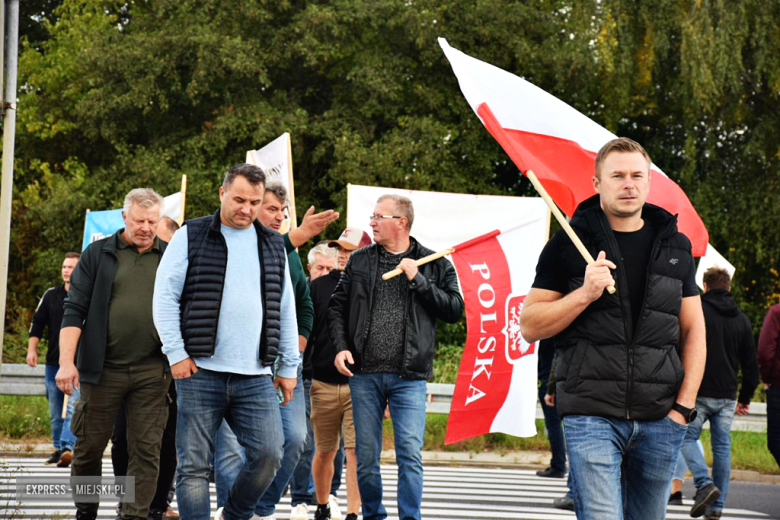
[607, 365]
[729, 345]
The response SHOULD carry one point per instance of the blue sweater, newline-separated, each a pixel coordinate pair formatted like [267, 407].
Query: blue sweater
[240, 315]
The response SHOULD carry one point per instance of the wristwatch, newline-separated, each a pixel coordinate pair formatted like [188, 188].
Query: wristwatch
[689, 413]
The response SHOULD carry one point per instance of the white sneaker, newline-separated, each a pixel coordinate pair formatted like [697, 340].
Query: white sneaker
[257, 517]
[335, 512]
[218, 514]
[300, 512]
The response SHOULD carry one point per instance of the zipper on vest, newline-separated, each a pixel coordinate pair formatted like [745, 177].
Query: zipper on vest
[625, 307]
[221, 293]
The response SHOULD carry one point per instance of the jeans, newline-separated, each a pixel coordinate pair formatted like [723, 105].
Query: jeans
[370, 395]
[773, 421]
[720, 413]
[229, 457]
[301, 484]
[554, 432]
[61, 436]
[251, 409]
[621, 468]
[679, 471]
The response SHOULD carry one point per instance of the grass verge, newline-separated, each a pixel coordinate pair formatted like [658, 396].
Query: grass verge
[26, 418]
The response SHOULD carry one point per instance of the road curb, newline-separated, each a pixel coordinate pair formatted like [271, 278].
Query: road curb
[512, 459]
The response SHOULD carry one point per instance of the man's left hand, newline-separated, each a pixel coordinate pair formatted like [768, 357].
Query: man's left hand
[288, 385]
[677, 417]
[409, 268]
[742, 409]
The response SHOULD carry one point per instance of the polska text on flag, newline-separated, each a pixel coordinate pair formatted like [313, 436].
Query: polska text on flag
[496, 386]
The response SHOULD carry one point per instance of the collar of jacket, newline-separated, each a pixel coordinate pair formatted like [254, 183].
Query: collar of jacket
[589, 216]
[216, 223]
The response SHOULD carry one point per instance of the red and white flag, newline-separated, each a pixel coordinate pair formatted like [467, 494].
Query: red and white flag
[544, 134]
[496, 386]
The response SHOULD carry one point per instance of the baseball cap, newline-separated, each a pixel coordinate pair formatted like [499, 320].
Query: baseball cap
[351, 239]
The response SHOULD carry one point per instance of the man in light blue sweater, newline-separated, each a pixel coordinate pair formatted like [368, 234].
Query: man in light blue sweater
[224, 308]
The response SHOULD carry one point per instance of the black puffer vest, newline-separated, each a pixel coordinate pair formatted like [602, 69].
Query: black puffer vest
[608, 366]
[201, 297]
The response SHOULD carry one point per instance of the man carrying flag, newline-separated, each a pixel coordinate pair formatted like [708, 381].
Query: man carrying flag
[629, 363]
[384, 332]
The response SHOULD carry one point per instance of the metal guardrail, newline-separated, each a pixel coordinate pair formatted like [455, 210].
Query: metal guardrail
[440, 395]
[24, 380]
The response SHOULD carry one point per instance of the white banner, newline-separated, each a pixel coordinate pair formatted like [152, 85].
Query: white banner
[442, 220]
[275, 159]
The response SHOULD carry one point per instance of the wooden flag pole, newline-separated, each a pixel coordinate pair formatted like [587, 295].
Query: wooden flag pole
[65, 407]
[421, 261]
[183, 199]
[563, 222]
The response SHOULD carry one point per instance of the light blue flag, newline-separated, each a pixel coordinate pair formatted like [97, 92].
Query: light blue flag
[101, 224]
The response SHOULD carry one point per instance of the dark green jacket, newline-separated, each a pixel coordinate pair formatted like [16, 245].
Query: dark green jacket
[304, 309]
[86, 306]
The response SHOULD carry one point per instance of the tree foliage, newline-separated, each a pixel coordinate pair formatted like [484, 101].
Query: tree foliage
[115, 95]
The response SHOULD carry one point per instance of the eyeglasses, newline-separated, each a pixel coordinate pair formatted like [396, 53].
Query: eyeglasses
[377, 217]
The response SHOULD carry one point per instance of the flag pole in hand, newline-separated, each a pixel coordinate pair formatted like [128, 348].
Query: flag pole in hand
[65, 407]
[419, 262]
[563, 222]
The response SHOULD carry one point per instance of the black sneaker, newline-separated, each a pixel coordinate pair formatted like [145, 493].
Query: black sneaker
[65, 459]
[675, 499]
[322, 512]
[54, 459]
[351, 516]
[712, 515]
[566, 503]
[155, 514]
[550, 473]
[704, 497]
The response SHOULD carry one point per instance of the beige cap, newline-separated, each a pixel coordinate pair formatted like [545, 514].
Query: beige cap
[351, 239]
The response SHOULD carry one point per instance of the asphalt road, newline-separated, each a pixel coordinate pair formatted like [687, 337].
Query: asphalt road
[754, 496]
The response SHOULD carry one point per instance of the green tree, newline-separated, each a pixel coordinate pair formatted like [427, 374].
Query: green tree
[115, 95]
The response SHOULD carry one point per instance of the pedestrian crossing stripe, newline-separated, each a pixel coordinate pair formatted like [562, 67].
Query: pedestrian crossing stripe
[456, 493]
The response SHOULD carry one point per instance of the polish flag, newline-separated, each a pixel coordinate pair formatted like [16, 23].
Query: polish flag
[496, 386]
[544, 134]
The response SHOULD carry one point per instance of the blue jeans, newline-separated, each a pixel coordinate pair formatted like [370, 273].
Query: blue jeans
[621, 468]
[679, 471]
[773, 421]
[720, 413]
[301, 484]
[229, 456]
[554, 432]
[250, 406]
[370, 395]
[61, 436]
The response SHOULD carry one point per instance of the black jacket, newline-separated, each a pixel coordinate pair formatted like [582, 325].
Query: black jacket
[201, 297]
[432, 295]
[608, 366]
[729, 345]
[322, 352]
[49, 314]
[86, 306]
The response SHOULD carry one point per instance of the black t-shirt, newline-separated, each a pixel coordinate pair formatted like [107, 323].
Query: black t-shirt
[49, 314]
[555, 269]
[322, 353]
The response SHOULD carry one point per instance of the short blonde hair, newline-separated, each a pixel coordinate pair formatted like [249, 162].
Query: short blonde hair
[619, 145]
[143, 197]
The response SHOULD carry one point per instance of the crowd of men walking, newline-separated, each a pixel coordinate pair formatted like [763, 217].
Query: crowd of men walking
[279, 379]
[268, 365]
